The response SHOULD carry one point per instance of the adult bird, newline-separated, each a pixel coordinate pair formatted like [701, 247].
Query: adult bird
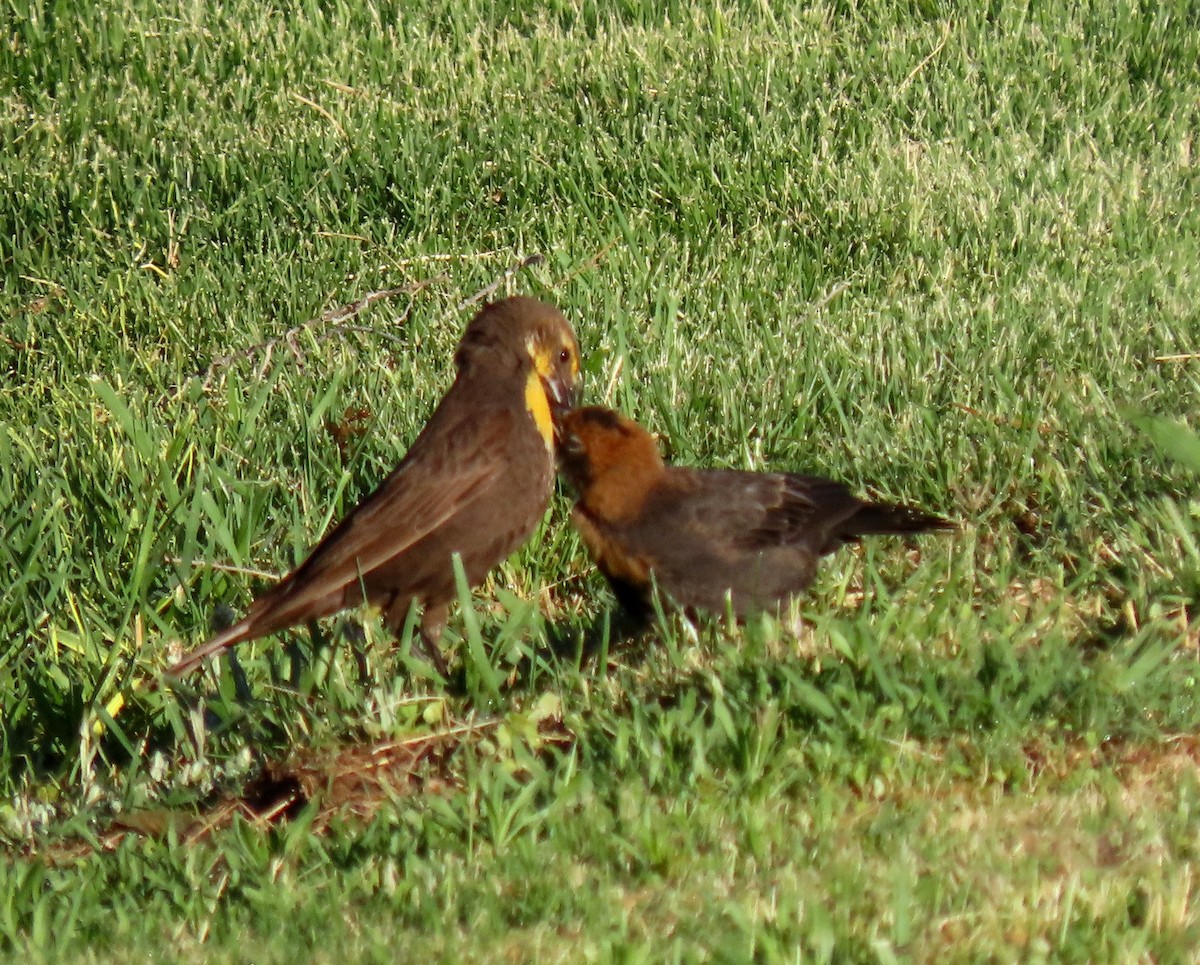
[475, 482]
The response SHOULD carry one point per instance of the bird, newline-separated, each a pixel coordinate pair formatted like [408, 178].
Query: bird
[705, 536]
[475, 482]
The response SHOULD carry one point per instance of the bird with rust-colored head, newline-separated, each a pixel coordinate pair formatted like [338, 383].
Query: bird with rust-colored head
[706, 535]
[475, 482]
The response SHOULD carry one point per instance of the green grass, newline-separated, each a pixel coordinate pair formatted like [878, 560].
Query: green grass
[942, 254]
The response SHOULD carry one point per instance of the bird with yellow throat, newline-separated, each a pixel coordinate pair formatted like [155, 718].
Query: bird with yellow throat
[475, 483]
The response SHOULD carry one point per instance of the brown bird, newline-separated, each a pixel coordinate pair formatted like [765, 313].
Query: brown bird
[475, 482]
[704, 534]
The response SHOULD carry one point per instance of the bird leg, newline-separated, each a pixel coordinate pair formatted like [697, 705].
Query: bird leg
[356, 636]
[433, 622]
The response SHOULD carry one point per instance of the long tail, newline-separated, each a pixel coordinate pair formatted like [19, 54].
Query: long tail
[879, 519]
[242, 630]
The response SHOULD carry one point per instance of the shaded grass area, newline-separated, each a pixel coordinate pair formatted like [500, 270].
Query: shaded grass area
[748, 803]
[939, 254]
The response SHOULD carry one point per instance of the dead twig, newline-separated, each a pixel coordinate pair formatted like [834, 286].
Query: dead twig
[924, 63]
[487, 291]
[223, 568]
[307, 102]
[828, 298]
[1043, 427]
[13, 343]
[337, 319]
[588, 265]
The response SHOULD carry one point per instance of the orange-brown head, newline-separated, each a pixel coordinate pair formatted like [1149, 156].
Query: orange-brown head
[612, 462]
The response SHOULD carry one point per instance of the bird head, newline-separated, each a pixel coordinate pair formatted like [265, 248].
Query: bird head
[532, 341]
[603, 453]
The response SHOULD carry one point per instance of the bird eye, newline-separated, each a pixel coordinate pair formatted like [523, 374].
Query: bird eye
[564, 356]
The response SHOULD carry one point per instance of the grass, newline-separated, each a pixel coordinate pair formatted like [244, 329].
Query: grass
[948, 256]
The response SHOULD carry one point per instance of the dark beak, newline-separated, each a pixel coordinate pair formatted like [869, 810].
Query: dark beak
[563, 395]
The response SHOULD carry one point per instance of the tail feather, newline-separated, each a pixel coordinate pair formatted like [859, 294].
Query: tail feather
[230, 636]
[880, 519]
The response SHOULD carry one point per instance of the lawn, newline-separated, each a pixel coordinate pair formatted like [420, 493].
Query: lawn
[951, 257]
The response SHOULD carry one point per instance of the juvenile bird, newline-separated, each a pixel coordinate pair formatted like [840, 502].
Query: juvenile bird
[701, 534]
[475, 482]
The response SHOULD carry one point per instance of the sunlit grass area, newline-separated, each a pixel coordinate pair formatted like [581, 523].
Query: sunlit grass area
[949, 257]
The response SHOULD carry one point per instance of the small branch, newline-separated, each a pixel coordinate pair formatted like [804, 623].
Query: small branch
[1181, 357]
[340, 321]
[19, 346]
[465, 256]
[612, 382]
[321, 110]
[338, 318]
[828, 297]
[588, 265]
[924, 63]
[223, 568]
[823, 302]
[1042, 427]
[488, 291]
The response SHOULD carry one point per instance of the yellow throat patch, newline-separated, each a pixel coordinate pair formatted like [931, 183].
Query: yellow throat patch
[539, 407]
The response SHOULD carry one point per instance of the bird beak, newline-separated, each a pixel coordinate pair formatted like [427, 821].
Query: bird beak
[563, 395]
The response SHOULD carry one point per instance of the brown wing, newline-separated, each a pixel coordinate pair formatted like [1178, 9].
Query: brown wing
[756, 534]
[423, 493]
[752, 511]
[706, 533]
[785, 509]
[768, 510]
[453, 463]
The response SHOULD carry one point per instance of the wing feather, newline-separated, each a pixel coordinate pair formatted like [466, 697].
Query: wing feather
[452, 464]
[423, 493]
